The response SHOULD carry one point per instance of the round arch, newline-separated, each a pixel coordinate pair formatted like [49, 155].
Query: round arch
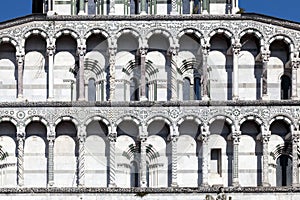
[10, 40]
[254, 32]
[98, 118]
[193, 31]
[37, 119]
[286, 39]
[163, 32]
[227, 33]
[9, 119]
[131, 31]
[70, 32]
[67, 118]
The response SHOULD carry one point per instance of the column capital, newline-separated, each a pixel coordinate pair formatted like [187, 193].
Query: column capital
[205, 49]
[112, 51]
[81, 50]
[265, 55]
[112, 137]
[295, 137]
[142, 138]
[20, 58]
[173, 51]
[295, 63]
[51, 49]
[265, 138]
[143, 51]
[236, 135]
[236, 47]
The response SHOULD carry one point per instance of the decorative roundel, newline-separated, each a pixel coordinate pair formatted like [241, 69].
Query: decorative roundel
[236, 112]
[174, 113]
[21, 115]
[143, 114]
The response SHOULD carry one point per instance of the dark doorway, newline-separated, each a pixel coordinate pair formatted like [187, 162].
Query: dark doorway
[134, 174]
[284, 171]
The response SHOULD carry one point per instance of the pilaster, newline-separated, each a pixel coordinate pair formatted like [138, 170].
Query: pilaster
[20, 154]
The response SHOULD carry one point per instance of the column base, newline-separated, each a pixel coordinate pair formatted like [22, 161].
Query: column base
[235, 98]
[50, 99]
[21, 98]
[235, 10]
[205, 98]
[81, 99]
[295, 184]
[266, 184]
[295, 98]
[174, 13]
[175, 184]
[112, 185]
[51, 13]
[205, 12]
[82, 13]
[50, 184]
[143, 98]
[112, 13]
[235, 184]
[143, 13]
[265, 97]
[204, 185]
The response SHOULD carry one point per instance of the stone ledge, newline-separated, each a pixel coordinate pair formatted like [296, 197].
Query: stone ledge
[151, 103]
[245, 16]
[151, 190]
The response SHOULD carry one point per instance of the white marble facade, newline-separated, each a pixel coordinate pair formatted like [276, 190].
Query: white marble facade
[149, 101]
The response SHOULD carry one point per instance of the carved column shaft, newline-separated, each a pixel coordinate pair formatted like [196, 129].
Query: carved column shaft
[112, 7]
[50, 51]
[20, 60]
[112, 73]
[81, 161]
[112, 159]
[81, 53]
[20, 153]
[204, 83]
[174, 9]
[174, 54]
[235, 164]
[265, 171]
[265, 60]
[205, 154]
[81, 7]
[174, 141]
[295, 170]
[50, 163]
[143, 53]
[295, 65]
[236, 51]
[143, 164]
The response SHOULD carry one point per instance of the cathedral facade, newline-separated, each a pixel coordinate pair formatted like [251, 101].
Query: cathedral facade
[171, 98]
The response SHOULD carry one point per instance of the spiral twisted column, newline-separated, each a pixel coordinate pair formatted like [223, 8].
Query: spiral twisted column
[81, 156]
[20, 60]
[174, 56]
[174, 141]
[112, 73]
[143, 164]
[20, 152]
[265, 59]
[235, 164]
[295, 170]
[112, 137]
[81, 53]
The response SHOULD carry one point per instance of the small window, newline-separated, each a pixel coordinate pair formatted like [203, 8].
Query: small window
[216, 161]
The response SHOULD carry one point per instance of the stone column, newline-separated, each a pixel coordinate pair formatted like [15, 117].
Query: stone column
[174, 141]
[81, 53]
[112, 137]
[20, 60]
[50, 52]
[295, 170]
[235, 80]
[112, 7]
[143, 164]
[265, 60]
[112, 73]
[295, 66]
[265, 170]
[174, 55]
[81, 158]
[235, 6]
[174, 10]
[204, 81]
[50, 163]
[50, 5]
[143, 53]
[20, 153]
[81, 7]
[205, 4]
[235, 164]
[205, 153]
